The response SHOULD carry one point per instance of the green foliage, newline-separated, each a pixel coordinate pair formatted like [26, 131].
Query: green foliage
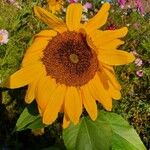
[88, 135]
[21, 25]
[109, 131]
[29, 119]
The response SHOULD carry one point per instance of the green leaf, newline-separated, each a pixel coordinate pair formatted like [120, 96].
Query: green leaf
[88, 135]
[29, 119]
[109, 131]
[124, 135]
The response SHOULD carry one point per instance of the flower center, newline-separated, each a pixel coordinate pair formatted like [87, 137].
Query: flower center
[69, 59]
[74, 58]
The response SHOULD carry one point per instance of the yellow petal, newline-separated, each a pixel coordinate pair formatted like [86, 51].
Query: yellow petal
[46, 34]
[73, 104]
[111, 76]
[32, 87]
[115, 94]
[30, 94]
[103, 78]
[114, 91]
[112, 45]
[104, 38]
[35, 52]
[39, 44]
[54, 104]
[40, 111]
[115, 57]
[99, 19]
[51, 20]
[89, 102]
[109, 35]
[25, 75]
[46, 87]
[73, 16]
[66, 121]
[31, 58]
[100, 93]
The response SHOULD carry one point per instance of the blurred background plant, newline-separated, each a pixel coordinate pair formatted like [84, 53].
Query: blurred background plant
[17, 27]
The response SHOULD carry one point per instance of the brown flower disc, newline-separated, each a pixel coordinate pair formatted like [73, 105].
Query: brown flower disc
[69, 59]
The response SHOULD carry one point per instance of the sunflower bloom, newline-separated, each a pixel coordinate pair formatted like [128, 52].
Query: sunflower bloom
[70, 66]
[55, 5]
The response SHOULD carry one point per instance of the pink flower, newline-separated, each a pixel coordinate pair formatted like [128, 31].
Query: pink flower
[140, 73]
[15, 3]
[73, 1]
[11, 1]
[3, 36]
[138, 62]
[122, 3]
[134, 53]
[139, 6]
[88, 5]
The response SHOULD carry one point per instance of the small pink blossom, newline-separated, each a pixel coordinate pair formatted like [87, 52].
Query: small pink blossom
[73, 1]
[139, 6]
[122, 3]
[134, 53]
[88, 5]
[15, 3]
[11, 1]
[140, 73]
[138, 62]
[3, 36]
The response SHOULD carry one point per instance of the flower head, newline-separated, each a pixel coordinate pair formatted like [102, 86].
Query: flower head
[138, 62]
[55, 5]
[70, 66]
[134, 52]
[11, 1]
[73, 1]
[140, 73]
[122, 3]
[87, 5]
[3, 36]
[139, 6]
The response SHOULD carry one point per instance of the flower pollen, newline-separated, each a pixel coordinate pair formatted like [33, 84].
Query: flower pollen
[74, 58]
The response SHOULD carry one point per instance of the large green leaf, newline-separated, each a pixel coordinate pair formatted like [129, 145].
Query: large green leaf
[29, 119]
[88, 135]
[109, 131]
[124, 135]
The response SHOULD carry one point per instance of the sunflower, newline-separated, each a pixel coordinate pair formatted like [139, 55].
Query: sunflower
[70, 66]
[55, 5]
